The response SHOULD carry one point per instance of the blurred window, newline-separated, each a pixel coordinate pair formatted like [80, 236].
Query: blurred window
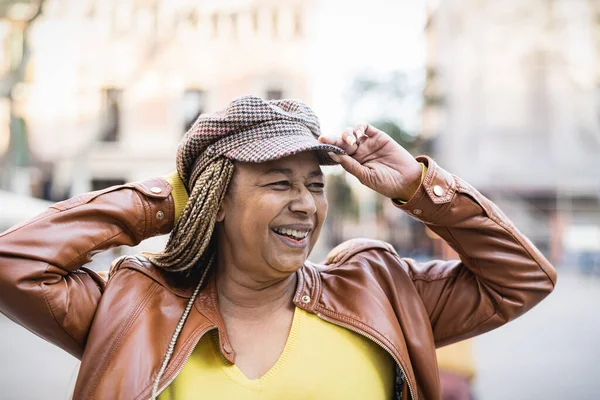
[123, 15]
[234, 25]
[274, 94]
[99, 184]
[145, 21]
[275, 22]
[254, 18]
[193, 18]
[214, 22]
[194, 102]
[298, 30]
[112, 115]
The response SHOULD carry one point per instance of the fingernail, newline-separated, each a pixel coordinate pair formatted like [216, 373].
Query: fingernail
[334, 156]
[351, 140]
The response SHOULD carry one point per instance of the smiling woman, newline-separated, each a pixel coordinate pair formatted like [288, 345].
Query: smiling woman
[273, 215]
[231, 308]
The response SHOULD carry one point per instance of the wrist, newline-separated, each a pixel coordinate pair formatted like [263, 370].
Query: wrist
[412, 188]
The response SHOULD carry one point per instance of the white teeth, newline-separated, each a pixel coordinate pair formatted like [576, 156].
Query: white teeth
[293, 233]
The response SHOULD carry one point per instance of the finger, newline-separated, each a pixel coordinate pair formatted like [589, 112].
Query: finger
[348, 136]
[350, 140]
[342, 140]
[333, 140]
[359, 132]
[349, 164]
[371, 131]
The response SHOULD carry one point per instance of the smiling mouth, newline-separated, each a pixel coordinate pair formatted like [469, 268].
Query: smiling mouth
[292, 233]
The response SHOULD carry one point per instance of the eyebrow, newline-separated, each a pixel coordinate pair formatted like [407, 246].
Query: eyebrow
[289, 172]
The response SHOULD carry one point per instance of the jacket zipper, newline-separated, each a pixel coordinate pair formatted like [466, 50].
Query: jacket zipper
[378, 342]
[185, 360]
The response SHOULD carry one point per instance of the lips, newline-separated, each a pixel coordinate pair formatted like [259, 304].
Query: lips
[297, 234]
[294, 235]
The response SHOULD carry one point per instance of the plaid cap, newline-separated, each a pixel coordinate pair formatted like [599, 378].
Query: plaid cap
[251, 129]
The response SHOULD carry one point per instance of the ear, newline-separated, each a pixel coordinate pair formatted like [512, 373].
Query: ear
[221, 214]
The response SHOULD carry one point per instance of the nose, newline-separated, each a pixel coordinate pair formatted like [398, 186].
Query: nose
[303, 202]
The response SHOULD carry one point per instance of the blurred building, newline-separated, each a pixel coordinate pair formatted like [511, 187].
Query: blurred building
[114, 84]
[513, 102]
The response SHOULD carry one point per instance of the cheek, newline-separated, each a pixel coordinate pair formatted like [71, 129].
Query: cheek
[322, 207]
[256, 213]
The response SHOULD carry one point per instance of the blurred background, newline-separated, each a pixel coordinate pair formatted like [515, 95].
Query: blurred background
[505, 94]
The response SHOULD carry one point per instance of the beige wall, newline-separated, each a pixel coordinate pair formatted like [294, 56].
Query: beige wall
[224, 48]
[519, 80]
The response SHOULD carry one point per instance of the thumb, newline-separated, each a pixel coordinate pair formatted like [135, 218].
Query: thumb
[349, 164]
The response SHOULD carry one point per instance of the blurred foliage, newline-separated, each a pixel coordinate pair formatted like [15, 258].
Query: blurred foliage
[394, 85]
[28, 12]
[344, 207]
[19, 156]
[380, 97]
[340, 193]
[430, 99]
[397, 133]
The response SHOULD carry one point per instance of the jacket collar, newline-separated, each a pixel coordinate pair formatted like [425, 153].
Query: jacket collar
[207, 304]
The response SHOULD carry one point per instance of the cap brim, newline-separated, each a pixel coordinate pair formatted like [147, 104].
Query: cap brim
[275, 147]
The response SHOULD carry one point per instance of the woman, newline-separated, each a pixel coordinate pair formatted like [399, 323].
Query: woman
[231, 308]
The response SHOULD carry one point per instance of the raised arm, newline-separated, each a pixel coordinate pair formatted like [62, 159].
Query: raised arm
[500, 274]
[43, 284]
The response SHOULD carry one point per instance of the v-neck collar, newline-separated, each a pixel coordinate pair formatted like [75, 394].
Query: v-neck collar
[256, 384]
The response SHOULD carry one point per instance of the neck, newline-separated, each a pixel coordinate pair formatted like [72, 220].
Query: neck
[246, 297]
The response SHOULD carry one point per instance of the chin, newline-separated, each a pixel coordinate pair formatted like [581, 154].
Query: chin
[290, 265]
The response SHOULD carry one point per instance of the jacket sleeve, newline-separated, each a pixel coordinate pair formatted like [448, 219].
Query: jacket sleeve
[500, 274]
[43, 284]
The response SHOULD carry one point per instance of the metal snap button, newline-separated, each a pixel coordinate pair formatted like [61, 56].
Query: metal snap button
[417, 211]
[438, 191]
[155, 189]
[306, 299]
[160, 215]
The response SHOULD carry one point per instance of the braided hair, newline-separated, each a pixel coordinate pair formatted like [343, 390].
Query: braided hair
[191, 249]
[191, 244]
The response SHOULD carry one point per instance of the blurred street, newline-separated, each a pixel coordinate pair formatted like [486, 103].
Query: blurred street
[552, 353]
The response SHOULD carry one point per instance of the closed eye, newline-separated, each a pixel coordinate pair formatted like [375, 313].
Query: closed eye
[280, 184]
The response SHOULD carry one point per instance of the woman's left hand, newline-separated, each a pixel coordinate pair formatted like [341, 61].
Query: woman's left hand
[378, 161]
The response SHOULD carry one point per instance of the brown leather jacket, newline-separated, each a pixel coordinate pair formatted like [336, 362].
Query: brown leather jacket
[119, 326]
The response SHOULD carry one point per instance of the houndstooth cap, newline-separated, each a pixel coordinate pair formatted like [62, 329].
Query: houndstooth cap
[251, 129]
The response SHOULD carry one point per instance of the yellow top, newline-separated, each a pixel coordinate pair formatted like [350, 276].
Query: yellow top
[457, 359]
[320, 361]
[179, 193]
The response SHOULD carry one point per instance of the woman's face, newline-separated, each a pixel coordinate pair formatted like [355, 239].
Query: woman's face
[272, 214]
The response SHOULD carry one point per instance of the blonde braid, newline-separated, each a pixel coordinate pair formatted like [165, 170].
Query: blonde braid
[189, 243]
[191, 236]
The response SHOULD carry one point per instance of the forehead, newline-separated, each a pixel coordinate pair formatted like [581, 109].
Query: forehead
[302, 164]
